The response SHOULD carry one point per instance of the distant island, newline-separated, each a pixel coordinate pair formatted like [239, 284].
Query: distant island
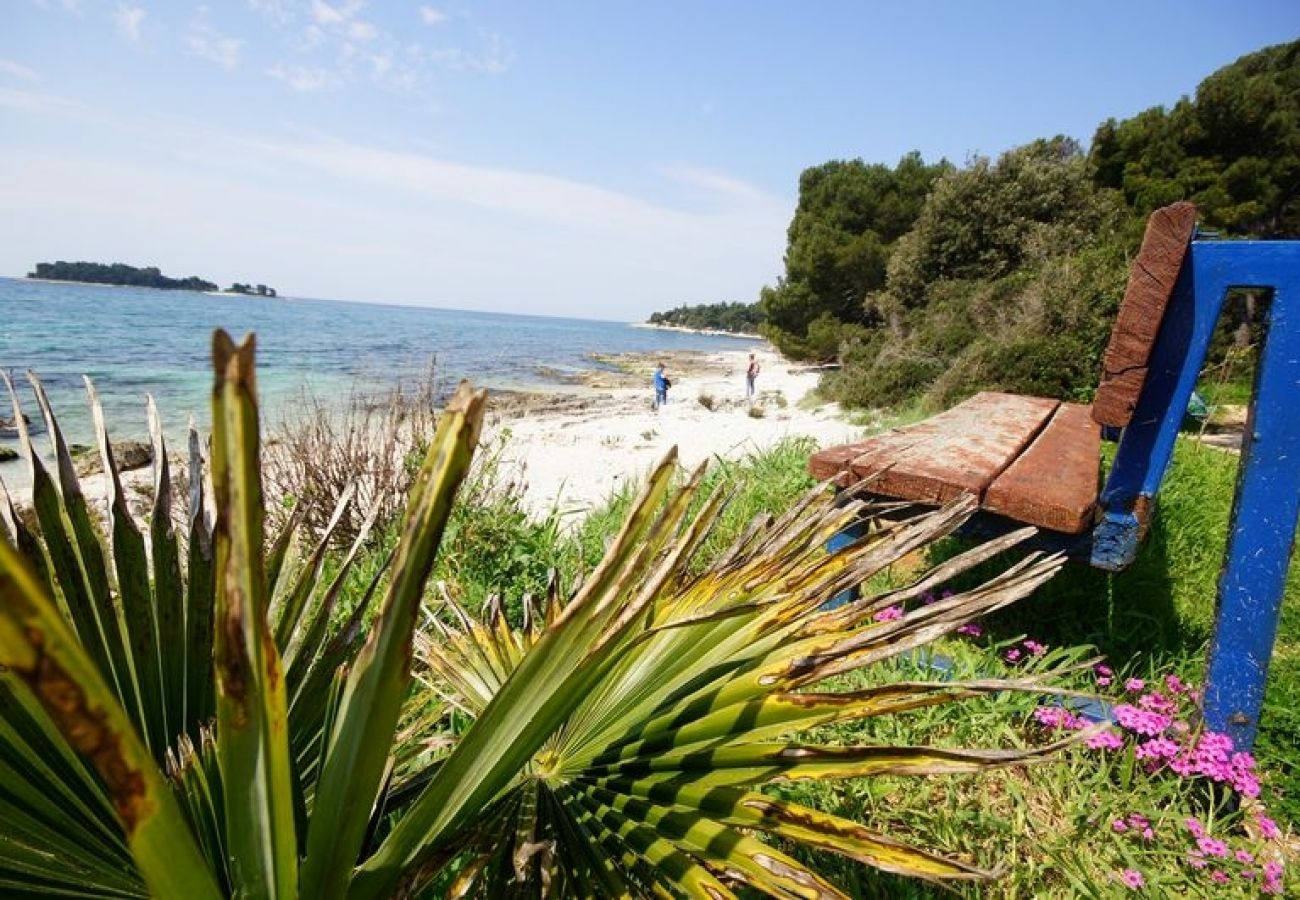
[132, 276]
[734, 318]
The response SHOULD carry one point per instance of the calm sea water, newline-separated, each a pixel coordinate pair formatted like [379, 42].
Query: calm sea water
[135, 341]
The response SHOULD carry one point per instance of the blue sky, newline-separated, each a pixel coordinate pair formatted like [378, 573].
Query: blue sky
[590, 159]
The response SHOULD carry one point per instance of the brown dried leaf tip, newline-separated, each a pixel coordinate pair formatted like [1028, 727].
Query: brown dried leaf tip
[88, 731]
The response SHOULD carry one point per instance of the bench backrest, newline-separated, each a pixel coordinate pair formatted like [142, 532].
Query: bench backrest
[1124, 365]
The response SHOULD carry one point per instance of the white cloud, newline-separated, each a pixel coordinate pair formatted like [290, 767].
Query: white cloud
[128, 20]
[304, 78]
[29, 101]
[493, 55]
[328, 15]
[205, 41]
[431, 16]
[278, 11]
[362, 31]
[395, 226]
[17, 70]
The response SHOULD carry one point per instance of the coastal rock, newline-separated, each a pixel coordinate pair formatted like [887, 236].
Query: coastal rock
[9, 427]
[127, 454]
[8, 454]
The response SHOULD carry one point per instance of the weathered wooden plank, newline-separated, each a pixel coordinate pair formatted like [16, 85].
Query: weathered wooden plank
[958, 451]
[1150, 284]
[1053, 484]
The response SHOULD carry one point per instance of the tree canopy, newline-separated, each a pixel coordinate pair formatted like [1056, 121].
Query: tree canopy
[936, 281]
[734, 317]
[120, 274]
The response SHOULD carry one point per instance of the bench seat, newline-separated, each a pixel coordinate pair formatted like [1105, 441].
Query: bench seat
[1033, 459]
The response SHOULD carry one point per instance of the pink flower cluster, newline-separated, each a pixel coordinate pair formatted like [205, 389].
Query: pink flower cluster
[1141, 721]
[1058, 717]
[1210, 851]
[1212, 757]
[889, 614]
[1136, 823]
[1026, 650]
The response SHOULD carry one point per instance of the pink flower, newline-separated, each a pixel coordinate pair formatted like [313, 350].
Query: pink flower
[889, 614]
[1247, 874]
[1141, 721]
[1034, 648]
[1196, 859]
[1156, 748]
[1268, 828]
[1104, 670]
[1157, 703]
[1132, 878]
[1104, 680]
[1134, 685]
[1105, 740]
[970, 629]
[1195, 827]
[927, 598]
[1272, 878]
[1054, 717]
[1211, 846]
[1012, 655]
[1219, 877]
[1175, 684]
[1244, 857]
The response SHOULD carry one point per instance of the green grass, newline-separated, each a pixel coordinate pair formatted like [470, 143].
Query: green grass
[1048, 824]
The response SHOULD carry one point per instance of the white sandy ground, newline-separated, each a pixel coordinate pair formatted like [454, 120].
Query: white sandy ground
[572, 461]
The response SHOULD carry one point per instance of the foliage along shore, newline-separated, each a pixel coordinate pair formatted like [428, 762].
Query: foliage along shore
[120, 274]
[929, 281]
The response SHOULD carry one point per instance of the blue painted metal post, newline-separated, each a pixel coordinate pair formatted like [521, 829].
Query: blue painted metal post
[836, 543]
[1267, 502]
[1267, 499]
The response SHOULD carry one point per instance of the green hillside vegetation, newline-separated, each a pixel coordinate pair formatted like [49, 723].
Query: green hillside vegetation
[931, 282]
[734, 317]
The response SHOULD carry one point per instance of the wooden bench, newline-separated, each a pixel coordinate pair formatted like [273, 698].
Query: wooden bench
[1034, 460]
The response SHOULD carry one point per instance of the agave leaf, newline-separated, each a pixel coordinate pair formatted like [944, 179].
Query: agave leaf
[794, 822]
[200, 595]
[541, 693]
[37, 646]
[287, 618]
[252, 710]
[78, 587]
[359, 741]
[168, 589]
[740, 857]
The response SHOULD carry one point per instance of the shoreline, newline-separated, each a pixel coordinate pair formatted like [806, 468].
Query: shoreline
[568, 448]
[711, 332]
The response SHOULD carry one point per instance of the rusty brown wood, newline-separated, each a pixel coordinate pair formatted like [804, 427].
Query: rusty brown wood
[1053, 484]
[1150, 285]
[958, 451]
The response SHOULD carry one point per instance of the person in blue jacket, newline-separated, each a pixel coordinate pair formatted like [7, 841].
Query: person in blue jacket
[662, 384]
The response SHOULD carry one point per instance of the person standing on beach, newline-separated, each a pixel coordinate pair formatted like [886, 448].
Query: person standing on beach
[750, 375]
[661, 386]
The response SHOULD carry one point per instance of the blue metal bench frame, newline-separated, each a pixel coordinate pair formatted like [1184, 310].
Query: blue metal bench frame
[1266, 503]
[1267, 499]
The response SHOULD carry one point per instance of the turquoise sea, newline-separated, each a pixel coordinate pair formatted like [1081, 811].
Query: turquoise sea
[134, 341]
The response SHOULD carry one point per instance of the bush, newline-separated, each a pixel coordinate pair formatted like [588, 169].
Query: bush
[321, 449]
[708, 401]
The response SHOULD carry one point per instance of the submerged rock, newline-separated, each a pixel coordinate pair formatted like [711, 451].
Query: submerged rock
[7, 454]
